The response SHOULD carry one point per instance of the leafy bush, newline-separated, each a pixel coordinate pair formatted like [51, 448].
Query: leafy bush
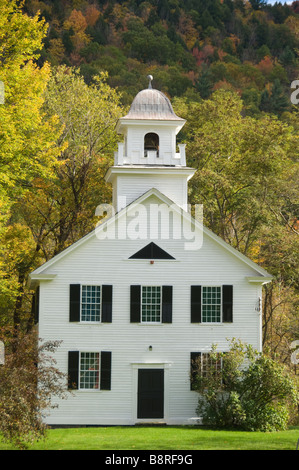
[249, 391]
[29, 380]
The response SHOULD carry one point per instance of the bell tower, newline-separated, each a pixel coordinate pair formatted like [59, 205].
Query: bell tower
[148, 157]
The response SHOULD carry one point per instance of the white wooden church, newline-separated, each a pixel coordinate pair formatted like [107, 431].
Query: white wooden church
[133, 303]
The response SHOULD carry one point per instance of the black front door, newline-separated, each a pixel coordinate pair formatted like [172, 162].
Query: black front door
[150, 394]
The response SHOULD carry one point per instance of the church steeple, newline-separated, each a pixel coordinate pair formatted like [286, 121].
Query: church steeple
[148, 156]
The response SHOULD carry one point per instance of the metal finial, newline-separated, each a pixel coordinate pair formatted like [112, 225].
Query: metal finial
[150, 78]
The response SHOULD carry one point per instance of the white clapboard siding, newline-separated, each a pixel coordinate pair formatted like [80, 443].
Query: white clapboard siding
[175, 188]
[159, 178]
[106, 262]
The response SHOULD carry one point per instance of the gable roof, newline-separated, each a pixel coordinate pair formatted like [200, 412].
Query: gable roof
[264, 276]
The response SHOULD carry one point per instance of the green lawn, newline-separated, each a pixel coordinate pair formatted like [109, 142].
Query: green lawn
[163, 438]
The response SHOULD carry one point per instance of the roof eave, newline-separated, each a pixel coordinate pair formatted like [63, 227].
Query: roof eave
[264, 276]
[123, 122]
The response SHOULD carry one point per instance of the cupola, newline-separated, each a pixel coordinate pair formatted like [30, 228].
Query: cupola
[148, 153]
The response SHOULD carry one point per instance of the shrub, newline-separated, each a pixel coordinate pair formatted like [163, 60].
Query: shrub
[249, 391]
[29, 380]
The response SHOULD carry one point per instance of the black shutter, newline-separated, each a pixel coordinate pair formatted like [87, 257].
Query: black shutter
[105, 381]
[135, 304]
[194, 356]
[167, 304]
[75, 300]
[73, 370]
[227, 304]
[195, 304]
[106, 304]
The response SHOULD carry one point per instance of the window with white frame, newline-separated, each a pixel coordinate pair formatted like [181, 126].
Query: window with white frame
[151, 302]
[205, 365]
[89, 370]
[91, 304]
[209, 365]
[211, 304]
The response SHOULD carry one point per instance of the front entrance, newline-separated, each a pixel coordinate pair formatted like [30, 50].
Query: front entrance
[150, 394]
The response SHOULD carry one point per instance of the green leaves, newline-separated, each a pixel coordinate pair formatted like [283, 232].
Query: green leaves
[26, 138]
[247, 180]
[22, 409]
[87, 115]
[244, 167]
[252, 391]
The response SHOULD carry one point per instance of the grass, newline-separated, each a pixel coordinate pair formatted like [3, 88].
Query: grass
[163, 438]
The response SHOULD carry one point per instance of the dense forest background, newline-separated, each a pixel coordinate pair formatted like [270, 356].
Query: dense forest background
[72, 67]
[191, 47]
[227, 66]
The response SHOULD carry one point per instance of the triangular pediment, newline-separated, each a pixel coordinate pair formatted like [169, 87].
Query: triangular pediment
[151, 251]
[42, 272]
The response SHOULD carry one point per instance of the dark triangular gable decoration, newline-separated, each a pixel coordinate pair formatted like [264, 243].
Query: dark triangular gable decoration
[151, 251]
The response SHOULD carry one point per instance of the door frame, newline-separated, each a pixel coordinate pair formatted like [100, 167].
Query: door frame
[139, 365]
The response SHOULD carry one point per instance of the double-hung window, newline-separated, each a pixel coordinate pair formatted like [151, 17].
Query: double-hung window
[151, 303]
[91, 304]
[89, 370]
[211, 304]
[203, 365]
[209, 365]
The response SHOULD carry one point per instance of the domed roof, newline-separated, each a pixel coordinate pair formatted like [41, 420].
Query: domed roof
[151, 104]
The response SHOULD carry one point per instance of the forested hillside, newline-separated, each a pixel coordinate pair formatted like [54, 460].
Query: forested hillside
[227, 66]
[70, 69]
[191, 47]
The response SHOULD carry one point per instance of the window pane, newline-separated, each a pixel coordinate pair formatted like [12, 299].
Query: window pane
[211, 304]
[209, 365]
[89, 370]
[151, 304]
[91, 303]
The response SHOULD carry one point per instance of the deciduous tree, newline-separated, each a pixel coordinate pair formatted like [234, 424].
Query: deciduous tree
[247, 181]
[27, 138]
[61, 209]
